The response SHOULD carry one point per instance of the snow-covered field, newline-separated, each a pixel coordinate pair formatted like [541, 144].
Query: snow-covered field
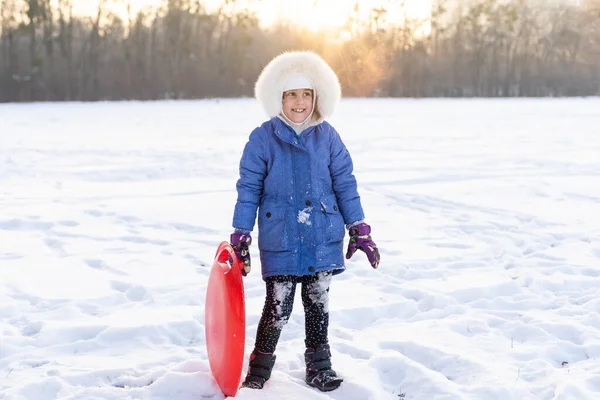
[487, 213]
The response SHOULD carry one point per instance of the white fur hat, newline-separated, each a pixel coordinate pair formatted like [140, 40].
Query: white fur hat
[290, 66]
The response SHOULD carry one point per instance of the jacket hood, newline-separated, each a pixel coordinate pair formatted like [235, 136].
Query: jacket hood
[271, 82]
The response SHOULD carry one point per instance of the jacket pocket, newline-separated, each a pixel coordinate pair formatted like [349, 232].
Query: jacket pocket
[271, 227]
[334, 222]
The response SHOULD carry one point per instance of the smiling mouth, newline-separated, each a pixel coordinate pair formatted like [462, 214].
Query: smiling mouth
[298, 110]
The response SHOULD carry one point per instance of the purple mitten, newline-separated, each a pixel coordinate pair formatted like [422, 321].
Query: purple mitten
[360, 238]
[240, 242]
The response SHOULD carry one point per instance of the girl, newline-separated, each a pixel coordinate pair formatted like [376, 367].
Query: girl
[296, 172]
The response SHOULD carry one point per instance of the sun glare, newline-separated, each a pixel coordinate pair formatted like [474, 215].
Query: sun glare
[326, 14]
[316, 15]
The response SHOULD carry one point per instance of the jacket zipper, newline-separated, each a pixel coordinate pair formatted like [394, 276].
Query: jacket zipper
[295, 194]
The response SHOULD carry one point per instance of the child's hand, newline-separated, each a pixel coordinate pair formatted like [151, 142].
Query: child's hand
[360, 238]
[240, 243]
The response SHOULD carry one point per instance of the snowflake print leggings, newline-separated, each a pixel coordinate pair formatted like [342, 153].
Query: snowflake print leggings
[278, 308]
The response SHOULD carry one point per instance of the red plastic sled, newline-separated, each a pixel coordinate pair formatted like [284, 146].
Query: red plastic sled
[225, 320]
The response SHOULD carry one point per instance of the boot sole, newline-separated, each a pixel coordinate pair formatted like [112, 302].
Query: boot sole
[336, 383]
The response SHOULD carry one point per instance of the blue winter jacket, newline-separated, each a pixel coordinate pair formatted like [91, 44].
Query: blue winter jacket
[305, 192]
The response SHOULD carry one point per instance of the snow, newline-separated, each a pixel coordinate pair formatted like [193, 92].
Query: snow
[487, 214]
[281, 291]
[317, 292]
[304, 216]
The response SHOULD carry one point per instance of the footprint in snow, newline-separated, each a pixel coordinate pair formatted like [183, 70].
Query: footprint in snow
[56, 246]
[20, 225]
[101, 265]
[353, 351]
[32, 328]
[131, 292]
[68, 223]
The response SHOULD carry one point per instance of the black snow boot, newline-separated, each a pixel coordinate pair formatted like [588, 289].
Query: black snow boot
[318, 369]
[259, 370]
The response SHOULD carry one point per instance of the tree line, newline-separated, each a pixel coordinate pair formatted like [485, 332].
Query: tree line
[181, 50]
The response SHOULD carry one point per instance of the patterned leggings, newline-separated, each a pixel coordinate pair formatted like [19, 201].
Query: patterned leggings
[278, 308]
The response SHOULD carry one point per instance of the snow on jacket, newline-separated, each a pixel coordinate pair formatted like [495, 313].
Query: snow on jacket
[301, 185]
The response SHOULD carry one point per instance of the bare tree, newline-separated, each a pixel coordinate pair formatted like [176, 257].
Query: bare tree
[181, 50]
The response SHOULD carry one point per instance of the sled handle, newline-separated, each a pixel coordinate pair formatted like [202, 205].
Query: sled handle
[226, 257]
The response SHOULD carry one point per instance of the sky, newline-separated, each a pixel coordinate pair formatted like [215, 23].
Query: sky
[313, 14]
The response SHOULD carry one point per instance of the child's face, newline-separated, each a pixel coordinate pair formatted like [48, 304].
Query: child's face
[297, 104]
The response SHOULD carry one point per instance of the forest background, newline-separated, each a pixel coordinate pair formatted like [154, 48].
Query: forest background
[182, 49]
